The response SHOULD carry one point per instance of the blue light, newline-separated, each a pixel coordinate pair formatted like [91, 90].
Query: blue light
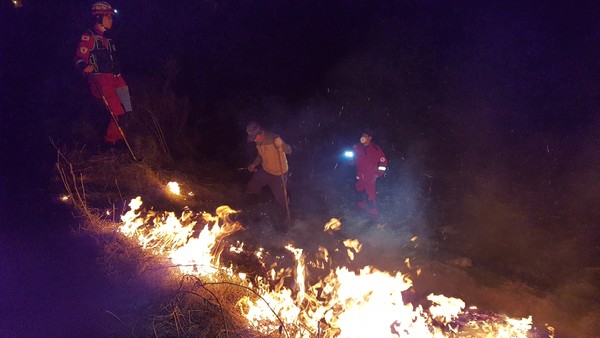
[349, 154]
[115, 10]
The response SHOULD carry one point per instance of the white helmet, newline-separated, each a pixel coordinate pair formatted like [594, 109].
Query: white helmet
[101, 8]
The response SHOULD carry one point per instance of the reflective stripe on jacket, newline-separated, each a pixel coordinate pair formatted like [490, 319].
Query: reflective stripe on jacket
[98, 51]
[370, 161]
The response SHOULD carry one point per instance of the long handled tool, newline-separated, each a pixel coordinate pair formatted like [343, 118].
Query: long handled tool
[114, 118]
[283, 186]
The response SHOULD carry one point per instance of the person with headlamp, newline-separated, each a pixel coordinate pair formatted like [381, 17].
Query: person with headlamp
[96, 59]
[370, 163]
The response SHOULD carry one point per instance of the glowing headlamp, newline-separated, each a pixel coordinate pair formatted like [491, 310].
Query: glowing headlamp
[349, 154]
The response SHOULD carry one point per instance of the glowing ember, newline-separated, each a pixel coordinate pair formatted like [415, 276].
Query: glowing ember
[333, 225]
[353, 247]
[367, 303]
[174, 188]
[445, 308]
[299, 272]
[238, 248]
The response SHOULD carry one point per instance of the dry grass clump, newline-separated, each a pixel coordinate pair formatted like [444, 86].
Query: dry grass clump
[109, 179]
[205, 309]
[194, 306]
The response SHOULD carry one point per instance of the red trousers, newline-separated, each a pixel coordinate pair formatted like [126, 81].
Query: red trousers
[366, 193]
[105, 85]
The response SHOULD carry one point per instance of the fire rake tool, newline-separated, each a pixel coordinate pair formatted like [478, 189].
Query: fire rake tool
[285, 194]
[114, 118]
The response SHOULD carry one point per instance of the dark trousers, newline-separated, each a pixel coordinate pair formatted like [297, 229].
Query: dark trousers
[261, 178]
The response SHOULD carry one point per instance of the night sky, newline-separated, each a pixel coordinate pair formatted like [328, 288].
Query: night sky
[508, 89]
[506, 94]
[459, 69]
[530, 59]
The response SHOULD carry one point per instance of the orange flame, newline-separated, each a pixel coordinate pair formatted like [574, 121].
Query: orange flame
[171, 236]
[367, 303]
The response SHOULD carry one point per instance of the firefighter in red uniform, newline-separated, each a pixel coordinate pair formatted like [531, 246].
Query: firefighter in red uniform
[95, 58]
[370, 163]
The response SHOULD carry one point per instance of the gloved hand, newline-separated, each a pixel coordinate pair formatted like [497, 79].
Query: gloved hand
[252, 168]
[278, 142]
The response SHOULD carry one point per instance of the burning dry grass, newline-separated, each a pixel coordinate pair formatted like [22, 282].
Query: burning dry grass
[190, 306]
[179, 258]
[187, 305]
[193, 308]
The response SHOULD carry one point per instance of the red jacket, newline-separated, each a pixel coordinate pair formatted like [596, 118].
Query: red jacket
[370, 161]
[98, 51]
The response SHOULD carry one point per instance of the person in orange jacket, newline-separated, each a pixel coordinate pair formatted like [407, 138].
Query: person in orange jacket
[270, 167]
[371, 163]
[96, 59]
